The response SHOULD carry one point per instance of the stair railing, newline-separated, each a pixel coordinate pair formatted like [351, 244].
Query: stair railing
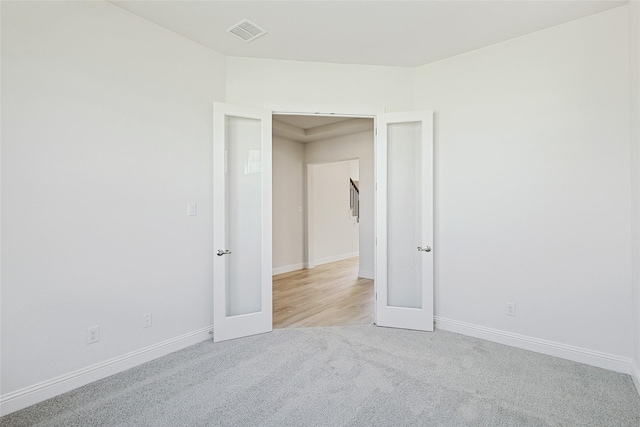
[354, 200]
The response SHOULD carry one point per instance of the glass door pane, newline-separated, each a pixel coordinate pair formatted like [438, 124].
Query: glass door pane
[244, 215]
[404, 215]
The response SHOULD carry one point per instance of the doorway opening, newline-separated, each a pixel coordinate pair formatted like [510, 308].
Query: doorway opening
[323, 229]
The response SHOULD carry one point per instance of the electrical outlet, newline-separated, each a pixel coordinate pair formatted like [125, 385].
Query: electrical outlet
[146, 320]
[510, 309]
[191, 209]
[93, 334]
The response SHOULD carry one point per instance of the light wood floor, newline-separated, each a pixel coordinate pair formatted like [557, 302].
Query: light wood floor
[327, 295]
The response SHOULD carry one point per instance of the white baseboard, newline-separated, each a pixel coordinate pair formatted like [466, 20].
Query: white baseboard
[635, 375]
[288, 268]
[365, 274]
[36, 393]
[335, 258]
[551, 348]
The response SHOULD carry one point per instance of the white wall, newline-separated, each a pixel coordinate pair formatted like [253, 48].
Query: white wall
[260, 82]
[532, 185]
[634, 51]
[356, 146]
[354, 173]
[288, 196]
[335, 233]
[106, 136]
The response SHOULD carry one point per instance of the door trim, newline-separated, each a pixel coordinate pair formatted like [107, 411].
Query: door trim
[323, 110]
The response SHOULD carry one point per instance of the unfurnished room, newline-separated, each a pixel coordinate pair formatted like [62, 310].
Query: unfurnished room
[320, 213]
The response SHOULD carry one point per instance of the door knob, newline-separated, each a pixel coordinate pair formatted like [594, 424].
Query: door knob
[425, 249]
[223, 252]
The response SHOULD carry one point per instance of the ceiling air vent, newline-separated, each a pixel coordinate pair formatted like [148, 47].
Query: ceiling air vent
[246, 30]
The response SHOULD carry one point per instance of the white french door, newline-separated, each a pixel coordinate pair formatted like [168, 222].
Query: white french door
[242, 301]
[242, 270]
[404, 220]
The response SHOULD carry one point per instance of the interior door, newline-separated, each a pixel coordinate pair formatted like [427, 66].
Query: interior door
[404, 220]
[242, 301]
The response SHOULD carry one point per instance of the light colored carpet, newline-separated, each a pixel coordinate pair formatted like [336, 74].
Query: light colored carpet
[356, 375]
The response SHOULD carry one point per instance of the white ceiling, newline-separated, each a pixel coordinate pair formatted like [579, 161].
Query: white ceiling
[307, 122]
[315, 128]
[399, 32]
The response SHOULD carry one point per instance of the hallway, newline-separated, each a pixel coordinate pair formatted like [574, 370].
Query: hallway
[327, 295]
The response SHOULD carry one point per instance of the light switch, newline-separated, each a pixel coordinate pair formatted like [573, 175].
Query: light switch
[191, 209]
[299, 209]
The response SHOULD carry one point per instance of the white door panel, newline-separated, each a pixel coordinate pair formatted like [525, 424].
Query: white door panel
[242, 303]
[404, 220]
